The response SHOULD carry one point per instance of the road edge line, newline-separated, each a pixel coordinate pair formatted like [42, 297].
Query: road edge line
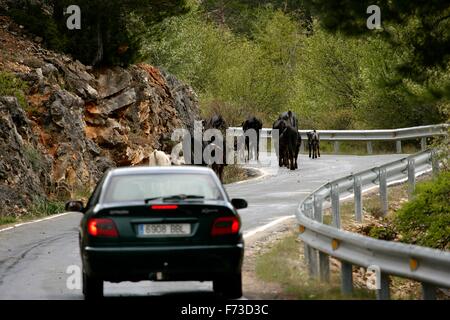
[35, 221]
[262, 228]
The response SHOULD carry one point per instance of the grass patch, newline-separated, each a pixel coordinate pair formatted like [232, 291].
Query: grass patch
[10, 85]
[42, 207]
[284, 264]
[7, 219]
[234, 173]
[39, 208]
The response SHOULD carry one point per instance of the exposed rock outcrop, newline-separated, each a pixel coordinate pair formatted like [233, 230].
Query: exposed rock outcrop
[79, 121]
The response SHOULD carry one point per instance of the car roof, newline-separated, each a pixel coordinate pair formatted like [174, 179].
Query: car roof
[162, 169]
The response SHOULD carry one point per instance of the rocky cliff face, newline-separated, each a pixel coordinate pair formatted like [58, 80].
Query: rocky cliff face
[79, 121]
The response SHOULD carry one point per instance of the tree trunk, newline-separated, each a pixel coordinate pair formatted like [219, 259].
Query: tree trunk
[99, 55]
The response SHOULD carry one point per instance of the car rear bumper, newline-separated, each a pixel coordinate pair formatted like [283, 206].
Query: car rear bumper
[172, 263]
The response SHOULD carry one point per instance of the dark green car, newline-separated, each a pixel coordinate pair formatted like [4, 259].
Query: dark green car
[163, 224]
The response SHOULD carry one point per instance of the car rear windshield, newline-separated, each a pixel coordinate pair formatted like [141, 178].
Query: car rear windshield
[150, 186]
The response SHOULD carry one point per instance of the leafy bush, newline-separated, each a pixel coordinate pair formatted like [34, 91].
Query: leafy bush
[45, 207]
[382, 232]
[426, 219]
[12, 86]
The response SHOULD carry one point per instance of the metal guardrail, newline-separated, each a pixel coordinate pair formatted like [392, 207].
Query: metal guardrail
[429, 266]
[398, 135]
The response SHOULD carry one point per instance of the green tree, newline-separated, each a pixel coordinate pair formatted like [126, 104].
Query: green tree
[421, 28]
[327, 82]
[106, 35]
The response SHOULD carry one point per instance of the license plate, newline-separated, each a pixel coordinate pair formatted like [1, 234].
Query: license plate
[168, 229]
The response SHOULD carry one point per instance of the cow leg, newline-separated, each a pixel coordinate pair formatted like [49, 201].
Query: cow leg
[309, 149]
[318, 149]
[257, 150]
[221, 167]
[291, 159]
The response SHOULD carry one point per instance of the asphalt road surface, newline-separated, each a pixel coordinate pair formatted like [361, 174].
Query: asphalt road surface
[38, 259]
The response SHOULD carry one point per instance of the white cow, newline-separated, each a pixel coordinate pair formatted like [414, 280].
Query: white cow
[177, 161]
[159, 158]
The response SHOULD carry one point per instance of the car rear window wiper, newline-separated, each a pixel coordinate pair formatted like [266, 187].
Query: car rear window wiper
[182, 197]
[176, 197]
[151, 199]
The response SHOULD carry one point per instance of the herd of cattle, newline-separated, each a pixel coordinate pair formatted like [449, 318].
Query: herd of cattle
[287, 145]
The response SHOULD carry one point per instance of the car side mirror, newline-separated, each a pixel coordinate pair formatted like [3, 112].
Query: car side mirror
[74, 206]
[239, 203]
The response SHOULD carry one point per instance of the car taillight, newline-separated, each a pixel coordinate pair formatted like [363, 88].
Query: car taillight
[226, 225]
[164, 207]
[102, 228]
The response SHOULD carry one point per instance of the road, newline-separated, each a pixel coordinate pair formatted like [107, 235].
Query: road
[34, 258]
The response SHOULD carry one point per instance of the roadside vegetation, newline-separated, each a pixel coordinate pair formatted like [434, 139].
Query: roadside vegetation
[10, 85]
[423, 221]
[234, 173]
[41, 207]
[284, 264]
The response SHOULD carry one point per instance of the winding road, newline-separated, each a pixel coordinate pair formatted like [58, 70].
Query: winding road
[35, 257]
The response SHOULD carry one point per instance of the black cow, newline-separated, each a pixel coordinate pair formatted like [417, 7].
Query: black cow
[255, 124]
[313, 144]
[219, 123]
[290, 117]
[216, 122]
[288, 143]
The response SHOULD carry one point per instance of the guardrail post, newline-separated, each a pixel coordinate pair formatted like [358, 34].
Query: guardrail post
[336, 147]
[428, 291]
[384, 292]
[383, 191]
[311, 253]
[324, 267]
[423, 143]
[411, 177]
[434, 163]
[369, 147]
[324, 260]
[306, 252]
[346, 278]
[312, 262]
[318, 209]
[335, 206]
[398, 144]
[358, 198]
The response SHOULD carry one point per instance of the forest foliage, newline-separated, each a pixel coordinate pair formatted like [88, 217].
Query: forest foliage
[246, 57]
[265, 57]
